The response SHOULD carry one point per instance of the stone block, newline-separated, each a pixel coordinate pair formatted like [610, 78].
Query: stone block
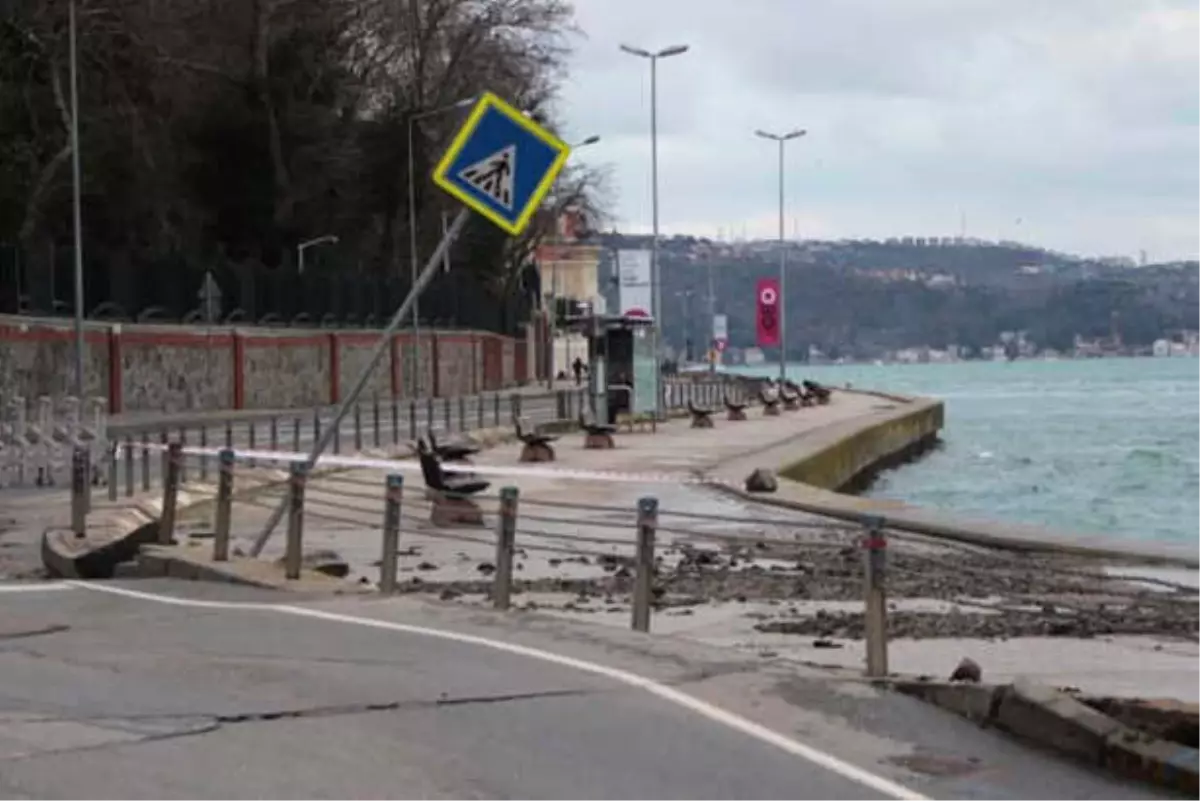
[1053, 718]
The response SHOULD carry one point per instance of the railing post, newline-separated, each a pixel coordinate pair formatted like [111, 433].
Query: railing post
[224, 505]
[128, 458]
[357, 427]
[204, 456]
[273, 433]
[874, 545]
[412, 420]
[428, 413]
[113, 479]
[479, 411]
[337, 435]
[560, 404]
[316, 425]
[643, 578]
[391, 533]
[496, 409]
[462, 413]
[296, 434]
[166, 522]
[294, 549]
[252, 442]
[228, 434]
[395, 421]
[145, 461]
[79, 458]
[183, 477]
[506, 535]
[375, 421]
[514, 402]
[164, 440]
[446, 413]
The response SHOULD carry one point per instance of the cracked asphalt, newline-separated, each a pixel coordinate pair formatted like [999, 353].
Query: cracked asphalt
[107, 696]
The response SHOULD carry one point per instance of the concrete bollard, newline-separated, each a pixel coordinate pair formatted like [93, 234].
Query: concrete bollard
[506, 536]
[874, 545]
[228, 433]
[166, 522]
[643, 578]
[462, 413]
[294, 548]
[393, 492]
[224, 505]
[79, 458]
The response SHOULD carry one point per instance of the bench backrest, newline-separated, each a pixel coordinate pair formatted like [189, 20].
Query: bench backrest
[431, 470]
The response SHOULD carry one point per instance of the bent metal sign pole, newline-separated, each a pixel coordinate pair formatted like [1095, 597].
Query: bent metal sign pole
[501, 165]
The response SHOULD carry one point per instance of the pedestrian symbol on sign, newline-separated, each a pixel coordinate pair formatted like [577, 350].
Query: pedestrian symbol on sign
[493, 176]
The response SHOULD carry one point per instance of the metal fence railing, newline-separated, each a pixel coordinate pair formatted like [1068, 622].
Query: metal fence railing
[37, 439]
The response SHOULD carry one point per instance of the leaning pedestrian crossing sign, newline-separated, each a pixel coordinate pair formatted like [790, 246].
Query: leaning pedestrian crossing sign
[501, 164]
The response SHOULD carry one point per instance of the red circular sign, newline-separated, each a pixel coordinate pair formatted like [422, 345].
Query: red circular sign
[768, 296]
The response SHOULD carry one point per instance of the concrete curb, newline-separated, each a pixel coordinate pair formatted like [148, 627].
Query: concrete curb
[180, 561]
[1061, 722]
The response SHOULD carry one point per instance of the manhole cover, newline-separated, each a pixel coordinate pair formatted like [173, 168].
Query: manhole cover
[937, 765]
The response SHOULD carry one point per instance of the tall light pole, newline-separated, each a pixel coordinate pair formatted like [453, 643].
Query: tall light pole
[656, 289]
[782, 139]
[76, 203]
[412, 228]
[553, 303]
[303, 246]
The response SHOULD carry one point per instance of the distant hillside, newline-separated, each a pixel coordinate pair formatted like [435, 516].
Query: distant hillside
[860, 298]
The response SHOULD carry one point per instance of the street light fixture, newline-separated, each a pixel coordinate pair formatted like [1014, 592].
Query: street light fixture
[782, 139]
[412, 226]
[303, 246]
[656, 289]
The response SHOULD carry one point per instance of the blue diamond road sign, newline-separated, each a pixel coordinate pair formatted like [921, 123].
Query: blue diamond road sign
[501, 164]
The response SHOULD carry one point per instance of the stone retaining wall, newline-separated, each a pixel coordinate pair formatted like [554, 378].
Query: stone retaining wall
[855, 452]
[144, 367]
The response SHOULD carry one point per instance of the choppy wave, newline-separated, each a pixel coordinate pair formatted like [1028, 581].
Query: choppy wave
[1106, 445]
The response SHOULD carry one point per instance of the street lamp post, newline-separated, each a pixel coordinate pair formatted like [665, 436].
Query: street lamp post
[80, 459]
[782, 139]
[303, 246]
[412, 229]
[656, 289]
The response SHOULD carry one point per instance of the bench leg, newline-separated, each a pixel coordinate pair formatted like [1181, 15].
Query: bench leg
[771, 410]
[735, 415]
[702, 421]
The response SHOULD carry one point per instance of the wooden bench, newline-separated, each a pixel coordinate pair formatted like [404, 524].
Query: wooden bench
[596, 436]
[791, 399]
[535, 447]
[451, 495]
[452, 451]
[701, 417]
[770, 403]
[734, 411]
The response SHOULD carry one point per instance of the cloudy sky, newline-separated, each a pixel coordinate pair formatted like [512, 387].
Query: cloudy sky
[1068, 123]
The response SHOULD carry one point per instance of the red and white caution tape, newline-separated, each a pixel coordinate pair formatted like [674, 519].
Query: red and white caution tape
[409, 464]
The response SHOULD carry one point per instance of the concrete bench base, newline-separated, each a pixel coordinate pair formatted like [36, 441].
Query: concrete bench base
[599, 442]
[702, 421]
[537, 452]
[735, 415]
[447, 512]
[771, 410]
[791, 405]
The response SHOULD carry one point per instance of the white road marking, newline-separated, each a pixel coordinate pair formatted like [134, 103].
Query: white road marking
[692, 704]
[39, 587]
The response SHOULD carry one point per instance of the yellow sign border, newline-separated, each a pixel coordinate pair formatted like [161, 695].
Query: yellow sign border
[487, 101]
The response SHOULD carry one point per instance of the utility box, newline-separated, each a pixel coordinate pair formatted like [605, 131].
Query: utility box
[622, 375]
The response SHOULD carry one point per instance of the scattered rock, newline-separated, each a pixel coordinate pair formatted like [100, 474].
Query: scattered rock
[486, 568]
[323, 561]
[968, 670]
[449, 594]
[824, 643]
[761, 480]
[427, 566]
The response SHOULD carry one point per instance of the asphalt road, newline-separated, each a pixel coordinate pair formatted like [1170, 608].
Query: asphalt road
[112, 696]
